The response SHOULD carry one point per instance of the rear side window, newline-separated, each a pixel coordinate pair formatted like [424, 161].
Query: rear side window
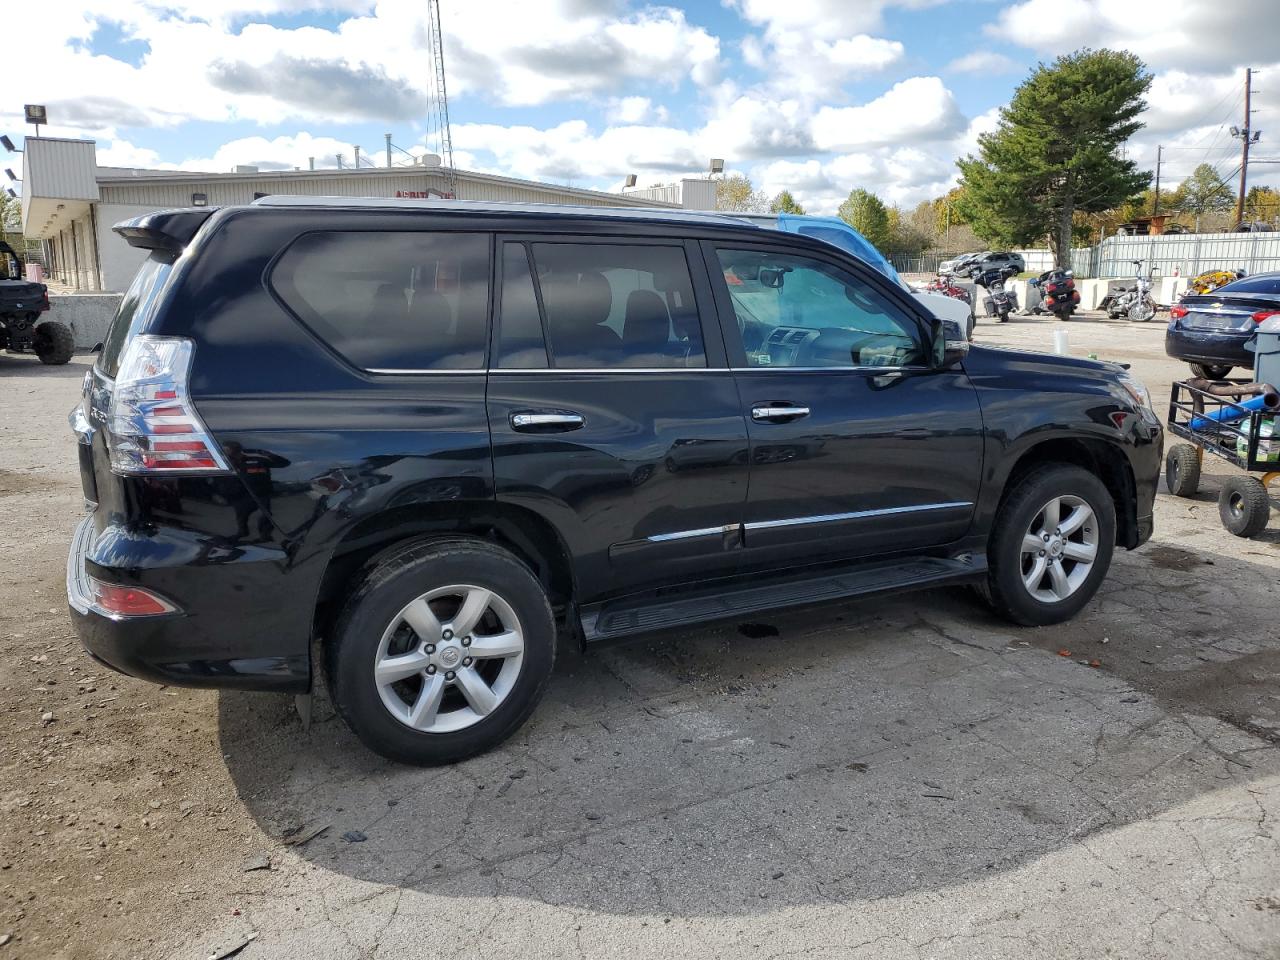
[520, 340]
[392, 301]
[134, 310]
[1267, 283]
[618, 305]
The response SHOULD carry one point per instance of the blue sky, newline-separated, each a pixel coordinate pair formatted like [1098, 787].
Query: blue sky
[819, 96]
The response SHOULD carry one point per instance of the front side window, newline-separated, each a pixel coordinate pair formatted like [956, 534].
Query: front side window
[618, 305]
[392, 301]
[793, 311]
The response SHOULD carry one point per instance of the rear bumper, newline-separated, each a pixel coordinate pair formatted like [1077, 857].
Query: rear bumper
[218, 639]
[1204, 346]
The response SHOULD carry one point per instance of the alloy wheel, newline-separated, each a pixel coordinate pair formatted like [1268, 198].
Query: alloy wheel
[1059, 549]
[449, 658]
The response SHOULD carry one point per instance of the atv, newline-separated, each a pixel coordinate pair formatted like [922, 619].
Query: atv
[21, 303]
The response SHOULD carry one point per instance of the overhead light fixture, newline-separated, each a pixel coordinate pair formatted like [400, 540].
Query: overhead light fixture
[1235, 131]
[9, 191]
[8, 144]
[631, 181]
[37, 114]
[717, 165]
[199, 199]
[8, 172]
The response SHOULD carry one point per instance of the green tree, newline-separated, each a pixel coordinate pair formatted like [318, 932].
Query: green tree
[1262, 204]
[10, 214]
[784, 202]
[866, 213]
[736, 193]
[1056, 151]
[906, 238]
[1202, 192]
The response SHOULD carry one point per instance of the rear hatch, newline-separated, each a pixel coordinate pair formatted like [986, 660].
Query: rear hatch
[21, 296]
[1223, 314]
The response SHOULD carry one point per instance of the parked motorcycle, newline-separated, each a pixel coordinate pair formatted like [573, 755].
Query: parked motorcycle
[999, 301]
[944, 283]
[1134, 302]
[1058, 291]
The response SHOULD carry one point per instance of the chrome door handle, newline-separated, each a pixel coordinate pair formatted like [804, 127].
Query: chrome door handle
[771, 413]
[532, 421]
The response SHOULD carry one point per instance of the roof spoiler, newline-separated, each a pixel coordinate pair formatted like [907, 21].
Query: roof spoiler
[167, 230]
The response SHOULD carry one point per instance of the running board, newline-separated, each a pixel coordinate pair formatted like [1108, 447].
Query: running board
[631, 615]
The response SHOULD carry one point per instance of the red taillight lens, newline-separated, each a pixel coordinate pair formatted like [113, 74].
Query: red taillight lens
[1265, 315]
[150, 404]
[1177, 311]
[119, 601]
[1049, 301]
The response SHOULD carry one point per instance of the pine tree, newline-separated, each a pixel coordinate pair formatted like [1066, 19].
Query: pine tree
[1057, 151]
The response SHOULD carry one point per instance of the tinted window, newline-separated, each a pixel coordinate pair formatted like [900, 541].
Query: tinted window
[1266, 283]
[520, 342]
[392, 301]
[797, 312]
[132, 314]
[613, 305]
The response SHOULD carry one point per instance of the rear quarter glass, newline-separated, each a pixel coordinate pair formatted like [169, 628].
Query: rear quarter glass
[135, 308]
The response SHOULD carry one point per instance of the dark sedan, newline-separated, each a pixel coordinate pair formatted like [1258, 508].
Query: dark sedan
[1210, 330]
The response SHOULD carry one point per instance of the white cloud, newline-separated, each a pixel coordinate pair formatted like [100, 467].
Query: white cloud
[918, 110]
[635, 110]
[983, 61]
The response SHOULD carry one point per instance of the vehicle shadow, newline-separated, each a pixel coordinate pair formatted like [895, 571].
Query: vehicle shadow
[853, 751]
[28, 364]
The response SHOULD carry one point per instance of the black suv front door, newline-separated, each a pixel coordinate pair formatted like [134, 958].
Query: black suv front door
[612, 410]
[859, 445]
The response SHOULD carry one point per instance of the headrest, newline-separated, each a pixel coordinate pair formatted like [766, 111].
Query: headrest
[646, 325]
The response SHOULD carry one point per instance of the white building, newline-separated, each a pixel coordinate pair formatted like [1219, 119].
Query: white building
[71, 203]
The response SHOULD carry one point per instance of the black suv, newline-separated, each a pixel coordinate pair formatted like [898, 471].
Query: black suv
[425, 441]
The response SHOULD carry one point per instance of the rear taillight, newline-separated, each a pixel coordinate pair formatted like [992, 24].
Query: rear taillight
[115, 600]
[1177, 311]
[1265, 315]
[152, 426]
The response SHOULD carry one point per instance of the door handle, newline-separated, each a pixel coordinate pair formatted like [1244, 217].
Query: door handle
[547, 421]
[776, 413]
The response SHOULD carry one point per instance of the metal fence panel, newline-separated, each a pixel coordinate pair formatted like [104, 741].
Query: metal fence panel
[1190, 254]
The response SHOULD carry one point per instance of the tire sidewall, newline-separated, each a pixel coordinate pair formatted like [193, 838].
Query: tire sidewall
[393, 585]
[1016, 514]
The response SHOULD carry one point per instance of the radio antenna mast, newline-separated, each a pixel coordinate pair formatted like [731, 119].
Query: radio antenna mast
[439, 104]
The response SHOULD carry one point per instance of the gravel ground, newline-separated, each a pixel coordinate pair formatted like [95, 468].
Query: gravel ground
[896, 778]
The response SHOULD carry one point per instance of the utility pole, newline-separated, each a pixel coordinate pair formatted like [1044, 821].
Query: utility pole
[1246, 137]
[1155, 210]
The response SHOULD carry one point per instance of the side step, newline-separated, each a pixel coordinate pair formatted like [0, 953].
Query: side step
[631, 615]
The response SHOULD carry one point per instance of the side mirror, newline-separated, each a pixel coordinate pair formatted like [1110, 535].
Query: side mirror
[950, 345]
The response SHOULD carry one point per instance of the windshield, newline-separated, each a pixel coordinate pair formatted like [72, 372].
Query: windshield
[133, 312]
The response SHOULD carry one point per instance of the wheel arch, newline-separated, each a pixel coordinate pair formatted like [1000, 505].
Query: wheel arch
[525, 534]
[1103, 458]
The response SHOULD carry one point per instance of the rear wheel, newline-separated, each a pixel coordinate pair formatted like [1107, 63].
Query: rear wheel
[1244, 506]
[443, 652]
[1051, 545]
[53, 343]
[1208, 371]
[1182, 470]
[1142, 311]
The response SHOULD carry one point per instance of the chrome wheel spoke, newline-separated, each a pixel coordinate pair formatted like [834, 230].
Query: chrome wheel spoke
[1058, 577]
[390, 669]
[1033, 577]
[427, 705]
[1052, 512]
[1031, 543]
[1075, 520]
[498, 645]
[418, 615]
[1080, 552]
[477, 692]
[473, 607]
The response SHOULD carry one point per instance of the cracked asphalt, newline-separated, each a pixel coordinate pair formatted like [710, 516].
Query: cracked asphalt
[898, 778]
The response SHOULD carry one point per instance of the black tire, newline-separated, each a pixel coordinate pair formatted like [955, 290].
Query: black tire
[1004, 316]
[1208, 371]
[1182, 470]
[53, 343]
[396, 582]
[1244, 506]
[1021, 507]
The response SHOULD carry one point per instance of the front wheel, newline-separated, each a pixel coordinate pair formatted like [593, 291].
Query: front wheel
[443, 651]
[53, 343]
[1142, 311]
[1004, 316]
[1051, 545]
[1064, 315]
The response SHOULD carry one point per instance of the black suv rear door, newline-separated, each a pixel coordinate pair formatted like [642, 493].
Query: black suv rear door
[612, 410]
[858, 445]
